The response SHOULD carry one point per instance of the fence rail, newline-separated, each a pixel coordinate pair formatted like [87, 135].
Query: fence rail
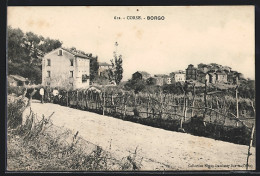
[212, 119]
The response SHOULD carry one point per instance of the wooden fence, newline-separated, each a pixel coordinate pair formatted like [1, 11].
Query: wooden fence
[211, 119]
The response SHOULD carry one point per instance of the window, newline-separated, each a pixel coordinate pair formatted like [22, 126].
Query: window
[71, 74]
[60, 52]
[71, 62]
[48, 74]
[85, 78]
[48, 62]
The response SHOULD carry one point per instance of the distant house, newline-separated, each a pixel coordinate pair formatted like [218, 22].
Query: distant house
[212, 77]
[169, 80]
[221, 77]
[202, 77]
[161, 79]
[232, 77]
[145, 75]
[64, 68]
[137, 76]
[227, 69]
[191, 72]
[178, 76]
[103, 67]
[17, 80]
[141, 75]
[203, 67]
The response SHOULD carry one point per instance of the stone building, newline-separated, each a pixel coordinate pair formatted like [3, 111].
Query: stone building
[191, 72]
[221, 77]
[178, 76]
[64, 68]
[103, 67]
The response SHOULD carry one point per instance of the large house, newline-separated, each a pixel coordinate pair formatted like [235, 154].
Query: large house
[64, 68]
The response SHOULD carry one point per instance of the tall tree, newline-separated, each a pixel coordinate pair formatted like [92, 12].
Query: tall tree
[116, 72]
[93, 68]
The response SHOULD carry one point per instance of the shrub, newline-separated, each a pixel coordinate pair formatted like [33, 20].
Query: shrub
[14, 111]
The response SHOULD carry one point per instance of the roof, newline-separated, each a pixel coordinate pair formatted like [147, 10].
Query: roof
[221, 73]
[179, 72]
[18, 77]
[161, 75]
[212, 74]
[10, 80]
[104, 64]
[201, 72]
[144, 73]
[76, 54]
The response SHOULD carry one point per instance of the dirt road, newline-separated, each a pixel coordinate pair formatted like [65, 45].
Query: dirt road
[156, 149]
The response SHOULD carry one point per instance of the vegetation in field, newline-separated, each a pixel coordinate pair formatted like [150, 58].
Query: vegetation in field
[41, 146]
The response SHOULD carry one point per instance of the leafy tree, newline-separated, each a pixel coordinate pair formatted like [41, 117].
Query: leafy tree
[135, 85]
[116, 72]
[93, 68]
[25, 51]
[151, 81]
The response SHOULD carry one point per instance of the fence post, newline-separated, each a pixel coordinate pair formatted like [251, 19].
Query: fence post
[148, 106]
[67, 98]
[185, 108]
[181, 123]
[104, 103]
[124, 107]
[205, 99]
[193, 99]
[250, 144]
[237, 104]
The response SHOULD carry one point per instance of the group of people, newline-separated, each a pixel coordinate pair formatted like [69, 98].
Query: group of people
[55, 93]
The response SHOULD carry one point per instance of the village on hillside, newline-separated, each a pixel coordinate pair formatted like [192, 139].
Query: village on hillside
[77, 68]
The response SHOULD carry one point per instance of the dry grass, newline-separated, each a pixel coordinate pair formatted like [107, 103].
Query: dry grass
[38, 145]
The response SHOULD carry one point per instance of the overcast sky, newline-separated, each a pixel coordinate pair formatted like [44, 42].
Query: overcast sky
[189, 35]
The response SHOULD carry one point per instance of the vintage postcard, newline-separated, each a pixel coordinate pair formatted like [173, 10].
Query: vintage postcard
[131, 88]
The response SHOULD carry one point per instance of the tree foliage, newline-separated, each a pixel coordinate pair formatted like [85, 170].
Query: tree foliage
[135, 85]
[25, 51]
[116, 72]
[93, 68]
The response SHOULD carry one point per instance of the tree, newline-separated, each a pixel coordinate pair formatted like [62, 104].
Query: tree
[93, 68]
[116, 72]
[135, 85]
[25, 52]
[151, 81]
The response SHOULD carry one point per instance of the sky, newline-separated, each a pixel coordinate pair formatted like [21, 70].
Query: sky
[188, 34]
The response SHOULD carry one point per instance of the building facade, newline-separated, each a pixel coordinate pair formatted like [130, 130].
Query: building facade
[103, 67]
[212, 78]
[191, 72]
[178, 76]
[221, 77]
[17, 80]
[63, 68]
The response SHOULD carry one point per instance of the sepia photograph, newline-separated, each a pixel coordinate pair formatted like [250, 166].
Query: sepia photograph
[130, 88]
